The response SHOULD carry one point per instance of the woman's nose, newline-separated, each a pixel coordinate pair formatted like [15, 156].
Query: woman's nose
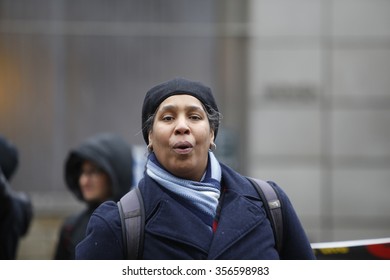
[83, 179]
[182, 126]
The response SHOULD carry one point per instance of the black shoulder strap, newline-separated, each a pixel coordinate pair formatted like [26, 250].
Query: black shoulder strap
[132, 214]
[273, 208]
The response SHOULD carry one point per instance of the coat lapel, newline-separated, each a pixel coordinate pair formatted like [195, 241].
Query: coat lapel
[239, 216]
[182, 225]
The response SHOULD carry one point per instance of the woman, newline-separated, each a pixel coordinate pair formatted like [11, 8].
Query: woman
[195, 207]
[99, 169]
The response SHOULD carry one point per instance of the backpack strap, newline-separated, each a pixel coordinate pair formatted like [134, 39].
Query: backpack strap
[273, 208]
[132, 215]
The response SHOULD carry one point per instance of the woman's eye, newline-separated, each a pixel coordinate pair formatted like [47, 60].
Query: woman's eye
[167, 118]
[195, 117]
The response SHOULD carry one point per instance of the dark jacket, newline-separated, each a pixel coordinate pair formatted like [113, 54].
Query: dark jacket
[173, 232]
[111, 153]
[16, 211]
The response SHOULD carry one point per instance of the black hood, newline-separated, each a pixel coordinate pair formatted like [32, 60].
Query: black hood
[111, 153]
[9, 157]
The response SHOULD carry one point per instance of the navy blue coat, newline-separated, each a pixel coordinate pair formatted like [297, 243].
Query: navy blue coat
[174, 232]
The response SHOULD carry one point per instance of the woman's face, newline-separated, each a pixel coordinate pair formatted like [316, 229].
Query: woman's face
[94, 183]
[181, 136]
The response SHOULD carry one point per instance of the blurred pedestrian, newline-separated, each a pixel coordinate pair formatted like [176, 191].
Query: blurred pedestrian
[16, 211]
[98, 170]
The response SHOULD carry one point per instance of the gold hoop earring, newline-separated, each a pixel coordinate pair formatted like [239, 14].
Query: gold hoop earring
[213, 147]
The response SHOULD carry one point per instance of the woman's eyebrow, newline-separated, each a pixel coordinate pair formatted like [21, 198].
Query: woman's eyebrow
[194, 108]
[167, 108]
[170, 107]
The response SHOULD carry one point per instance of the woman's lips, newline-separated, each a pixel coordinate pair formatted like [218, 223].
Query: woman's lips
[183, 147]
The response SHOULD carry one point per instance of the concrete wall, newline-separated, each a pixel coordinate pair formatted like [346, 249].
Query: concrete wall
[319, 100]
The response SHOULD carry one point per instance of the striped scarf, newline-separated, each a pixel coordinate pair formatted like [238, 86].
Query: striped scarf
[200, 197]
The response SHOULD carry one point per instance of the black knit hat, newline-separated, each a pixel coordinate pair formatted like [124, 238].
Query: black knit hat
[156, 95]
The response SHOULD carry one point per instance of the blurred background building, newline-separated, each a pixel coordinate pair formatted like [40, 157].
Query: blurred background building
[304, 87]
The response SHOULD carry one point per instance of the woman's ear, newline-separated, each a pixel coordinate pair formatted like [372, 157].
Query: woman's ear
[213, 146]
[212, 143]
[150, 144]
[150, 138]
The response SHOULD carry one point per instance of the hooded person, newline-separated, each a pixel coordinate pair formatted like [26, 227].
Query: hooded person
[195, 207]
[16, 211]
[98, 170]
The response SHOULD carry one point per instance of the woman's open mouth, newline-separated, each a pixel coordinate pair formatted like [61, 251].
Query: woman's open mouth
[183, 147]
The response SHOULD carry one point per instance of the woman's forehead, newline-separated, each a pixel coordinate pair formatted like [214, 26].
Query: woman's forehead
[183, 100]
[88, 164]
